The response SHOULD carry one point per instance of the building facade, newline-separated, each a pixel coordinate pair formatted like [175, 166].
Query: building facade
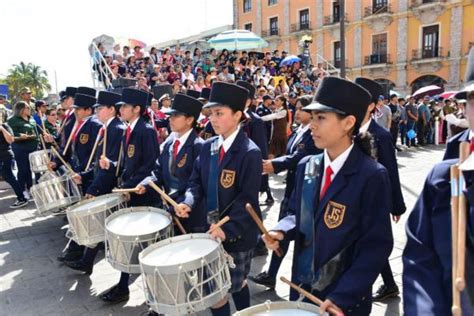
[404, 44]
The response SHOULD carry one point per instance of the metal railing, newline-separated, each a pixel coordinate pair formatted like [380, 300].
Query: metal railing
[417, 3]
[338, 62]
[296, 27]
[271, 32]
[326, 65]
[333, 18]
[426, 53]
[377, 59]
[379, 9]
[102, 74]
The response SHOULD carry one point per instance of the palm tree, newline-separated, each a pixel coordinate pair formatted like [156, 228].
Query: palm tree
[27, 75]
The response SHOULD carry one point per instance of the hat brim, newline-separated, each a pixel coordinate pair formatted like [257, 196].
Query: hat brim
[202, 99]
[211, 104]
[171, 111]
[315, 106]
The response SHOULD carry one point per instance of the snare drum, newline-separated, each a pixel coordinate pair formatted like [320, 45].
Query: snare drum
[39, 160]
[55, 193]
[185, 274]
[281, 309]
[129, 231]
[87, 218]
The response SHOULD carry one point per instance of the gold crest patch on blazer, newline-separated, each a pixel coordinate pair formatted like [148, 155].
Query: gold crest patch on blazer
[131, 151]
[227, 178]
[182, 162]
[84, 138]
[334, 214]
[300, 146]
[206, 136]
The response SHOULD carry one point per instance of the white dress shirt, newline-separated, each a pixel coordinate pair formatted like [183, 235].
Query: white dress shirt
[337, 164]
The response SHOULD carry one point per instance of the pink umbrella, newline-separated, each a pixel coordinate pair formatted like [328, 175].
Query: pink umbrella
[133, 42]
[447, 94]
[428, 90]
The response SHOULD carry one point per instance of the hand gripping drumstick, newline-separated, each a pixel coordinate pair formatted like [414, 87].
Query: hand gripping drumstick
[96, 143]
[69, 139]
[104, 145]
[262, 228]
[55, 152]
[219, 224]
[309, 296]
[456, 305]
[171, 202]
[130, 190]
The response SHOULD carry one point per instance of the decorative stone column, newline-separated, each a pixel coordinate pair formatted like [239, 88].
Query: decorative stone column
[357, 46]
[402, 50]
[236, 14]
[455, 48]
[258, 27]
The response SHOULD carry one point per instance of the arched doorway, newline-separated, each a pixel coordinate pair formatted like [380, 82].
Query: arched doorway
[387, 85]
[427, 80]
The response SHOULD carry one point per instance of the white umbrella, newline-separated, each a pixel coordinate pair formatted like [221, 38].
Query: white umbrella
[237, 40]
[107, 41]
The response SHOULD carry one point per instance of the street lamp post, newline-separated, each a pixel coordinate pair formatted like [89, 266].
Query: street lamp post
[342, 15]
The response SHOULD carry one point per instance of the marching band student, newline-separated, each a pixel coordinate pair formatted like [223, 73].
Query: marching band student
[140, 151]
[206, 127]
[104, 180]
[387, 158]
[427, 258]
[299, 146]
[226, 176]
[342, 198]
[67, 101]
[175, 164]
[83, 137]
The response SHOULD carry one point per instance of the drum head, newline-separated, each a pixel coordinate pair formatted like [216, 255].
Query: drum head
[105, 201]
[282, 308]
[138, 223]
[286, 312]
[181, 251]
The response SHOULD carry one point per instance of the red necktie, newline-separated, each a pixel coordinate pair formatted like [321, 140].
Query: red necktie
[472, 145]
[327, 182]
[127, 134]
[76, 130]
[102, 132]
[221, 154]
[175, 149]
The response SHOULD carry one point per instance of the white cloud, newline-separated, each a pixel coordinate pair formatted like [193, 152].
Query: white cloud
[55, 34]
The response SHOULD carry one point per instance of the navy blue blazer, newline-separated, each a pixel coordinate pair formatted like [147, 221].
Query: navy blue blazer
[240, 173]
[386, 157]
[208, 131]
[105, 180]
[452, 146]
[181, 169]
[362, 190]
[302, 148]
[256, 130]
[427, 265]
[262, 111]
[139, 155]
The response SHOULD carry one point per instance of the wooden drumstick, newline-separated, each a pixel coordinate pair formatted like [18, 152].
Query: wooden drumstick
[168, 199]
[464, 150]
[262, 228]
[454, 170]
[55, 152]
[308, 295]
[219, 224]
[96, 143]
[129, 190]
[104, 144]
[70, 138]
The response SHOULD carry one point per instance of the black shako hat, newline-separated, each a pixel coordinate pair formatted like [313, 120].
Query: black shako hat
[134, 97]
[107, 98]
[228, 94]
[185, 104]
[69, 92]
[372, 86]
[469, 77]
[247, 86]
[193, 93]
[205, 93]
[341, 96]
[84, 101]
[86, 90]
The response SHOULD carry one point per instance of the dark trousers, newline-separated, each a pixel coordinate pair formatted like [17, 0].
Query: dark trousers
[403, 133]
[25, 177]
[7, 174]
[421, 133]
[394, 132]
[387, 276]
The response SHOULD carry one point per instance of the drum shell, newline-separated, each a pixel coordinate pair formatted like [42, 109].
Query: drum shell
[122, 251]
[88, 227]
[39, 160]
[175, 276]
[268, 307]
[55, 194]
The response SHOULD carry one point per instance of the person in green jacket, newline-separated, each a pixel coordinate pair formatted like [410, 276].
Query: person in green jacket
[26, 141]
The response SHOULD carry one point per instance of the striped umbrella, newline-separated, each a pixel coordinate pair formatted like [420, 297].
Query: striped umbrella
[237, 40]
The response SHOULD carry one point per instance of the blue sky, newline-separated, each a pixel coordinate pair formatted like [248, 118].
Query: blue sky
[55, 34]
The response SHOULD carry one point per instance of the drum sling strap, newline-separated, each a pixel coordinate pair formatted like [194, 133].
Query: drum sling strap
[168, 175]
[212, 188]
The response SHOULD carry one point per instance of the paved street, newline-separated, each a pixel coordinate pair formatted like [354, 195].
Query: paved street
[32, 282]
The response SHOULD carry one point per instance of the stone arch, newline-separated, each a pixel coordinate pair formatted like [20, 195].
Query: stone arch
[427, 80]
[386, 84]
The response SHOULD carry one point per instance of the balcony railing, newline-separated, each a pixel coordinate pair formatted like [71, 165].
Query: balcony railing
[333, 18]
[296, 27]
[427, 53]
[271, 32]
[375, 59]
[379, 9]
[337, 63]
[417, 3]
